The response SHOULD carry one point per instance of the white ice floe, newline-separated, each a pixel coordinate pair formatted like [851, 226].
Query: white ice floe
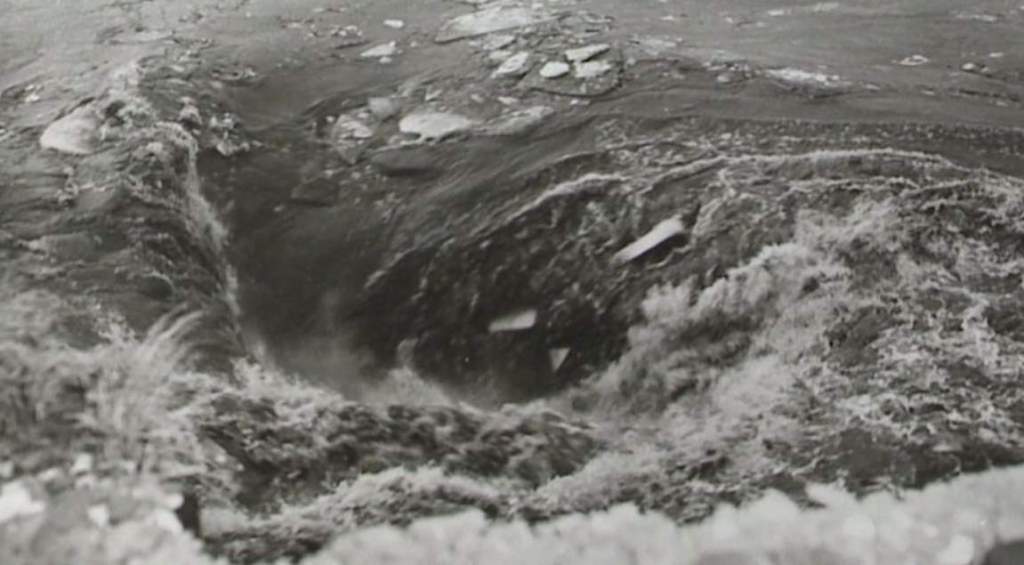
[554, 69]
[586, 53]
[592, 69]
[798, 76]
[431, 126]
[383, 107]
[516, 321]
[348, 127]
[74, 133]
[490, 20]
[16, 501]
[496, 41]
[558, 357]
[389, 49]
[519, 121]
[913, 61]
[659, 234]
[515, 65]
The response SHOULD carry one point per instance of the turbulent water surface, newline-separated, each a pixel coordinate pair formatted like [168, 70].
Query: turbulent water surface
[730, 246]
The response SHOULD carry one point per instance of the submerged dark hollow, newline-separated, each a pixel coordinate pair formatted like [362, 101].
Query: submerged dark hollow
[730, 249]
[343, 257]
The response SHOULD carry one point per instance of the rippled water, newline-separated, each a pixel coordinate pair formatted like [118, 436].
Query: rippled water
[838, 301]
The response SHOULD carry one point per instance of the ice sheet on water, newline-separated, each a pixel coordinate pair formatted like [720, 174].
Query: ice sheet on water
[500, 17]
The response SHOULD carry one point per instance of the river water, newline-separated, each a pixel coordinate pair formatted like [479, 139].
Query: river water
[837, 304]
[305, 260]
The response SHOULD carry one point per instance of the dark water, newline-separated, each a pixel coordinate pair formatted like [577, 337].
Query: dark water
[306, 255]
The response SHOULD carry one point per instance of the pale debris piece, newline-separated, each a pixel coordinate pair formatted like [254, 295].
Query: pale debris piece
[657, 46]
[490, 20]
[347, 127]
[83, 464]
[798, 76]
[496, 41]
[913, 61]
[389, 49]
[516, 65]
[499, 55]
[592, 69]
[516, 321]
[558, 357]
[434, 125]
[586, 53]
[383, 108]
[659, 234]
[16, 501]
[99, 514]
[74, 133]
[394, 24]
[554, 69]
[519, 121]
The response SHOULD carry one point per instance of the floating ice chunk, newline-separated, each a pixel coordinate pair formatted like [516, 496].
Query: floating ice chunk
[83, 464]
[497, 41]
[394, 24]
[660, 233]
[99, 514]
[516, 321]
[583, 54]
[978, 17]
[348, 127]
[16, 501]
[499, 55]
[799, 76]
[489, 20]
[515, 65]
[913, 61]
[657, 46]
[592, 69]
[558, 357]
[554, 69]
[389, 49]
[384, 108]
[75, 133]
[519, 121]
[434, 125]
